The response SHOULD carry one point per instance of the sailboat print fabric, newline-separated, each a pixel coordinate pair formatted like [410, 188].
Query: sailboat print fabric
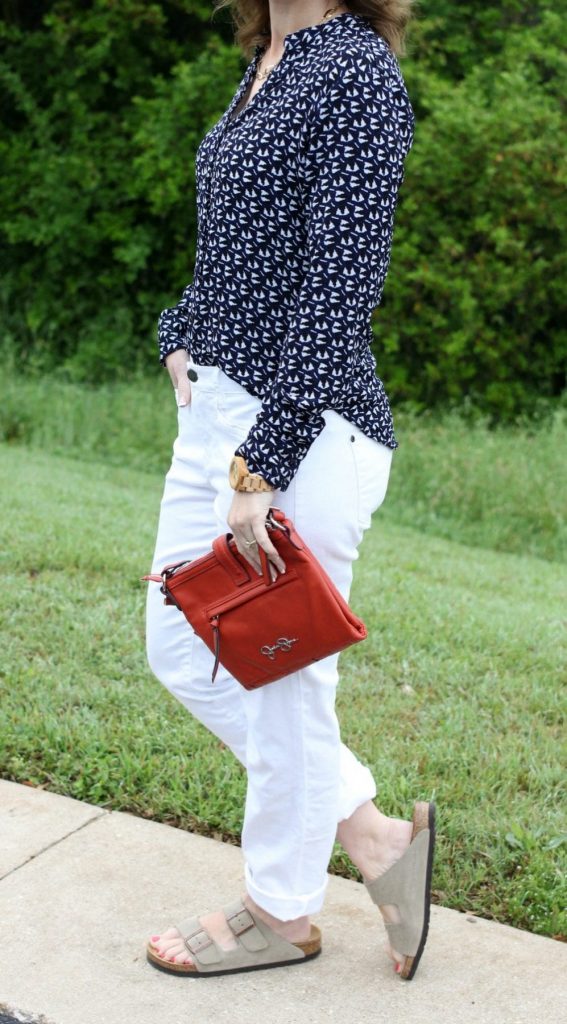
[296, 196]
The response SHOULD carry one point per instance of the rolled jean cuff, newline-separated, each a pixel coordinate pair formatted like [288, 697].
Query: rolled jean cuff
[284, 908]
[357, 784]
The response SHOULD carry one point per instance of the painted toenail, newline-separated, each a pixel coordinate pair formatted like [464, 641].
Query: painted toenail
[155, 938]
[398, 968]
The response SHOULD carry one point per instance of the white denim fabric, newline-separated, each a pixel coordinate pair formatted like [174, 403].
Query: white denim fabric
[301, 780]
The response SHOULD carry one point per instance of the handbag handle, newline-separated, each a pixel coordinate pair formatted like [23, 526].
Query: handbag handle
[230, 560]
[229, 557]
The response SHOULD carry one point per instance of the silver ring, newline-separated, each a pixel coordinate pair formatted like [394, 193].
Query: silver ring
[250, 543]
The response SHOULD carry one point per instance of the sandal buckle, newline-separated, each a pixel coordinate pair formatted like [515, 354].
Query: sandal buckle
[241, 922]
[198, 941]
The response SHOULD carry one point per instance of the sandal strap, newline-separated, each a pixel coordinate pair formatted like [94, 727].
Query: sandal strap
[201, 947]
[244, 927]
[257, 943]
[404, 886]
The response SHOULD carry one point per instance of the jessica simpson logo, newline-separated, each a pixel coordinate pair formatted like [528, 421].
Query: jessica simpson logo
[283, 644]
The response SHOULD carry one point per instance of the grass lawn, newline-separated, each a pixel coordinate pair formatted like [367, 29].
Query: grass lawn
[456, 694]
[504, 489]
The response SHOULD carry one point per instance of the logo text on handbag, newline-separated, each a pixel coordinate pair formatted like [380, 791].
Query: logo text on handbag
[283, 644]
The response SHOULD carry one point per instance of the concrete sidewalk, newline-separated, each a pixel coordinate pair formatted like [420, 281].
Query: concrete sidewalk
[81, 889]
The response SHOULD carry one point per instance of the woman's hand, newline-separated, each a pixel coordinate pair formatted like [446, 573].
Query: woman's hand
[176, 363]
[247, 521]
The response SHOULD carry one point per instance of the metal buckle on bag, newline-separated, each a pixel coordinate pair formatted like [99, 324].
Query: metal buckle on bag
[166, 574]
[270, 521]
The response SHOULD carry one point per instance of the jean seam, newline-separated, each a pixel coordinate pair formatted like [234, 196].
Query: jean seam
[301, 683]
[351, 444]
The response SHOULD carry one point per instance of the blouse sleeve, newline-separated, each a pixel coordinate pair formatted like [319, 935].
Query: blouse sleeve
[173, 324]
[360, 130]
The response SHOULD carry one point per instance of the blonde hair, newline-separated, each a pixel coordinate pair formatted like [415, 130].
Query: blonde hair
[251, 20]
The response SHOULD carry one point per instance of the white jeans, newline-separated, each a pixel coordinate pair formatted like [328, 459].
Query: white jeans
[301, 780]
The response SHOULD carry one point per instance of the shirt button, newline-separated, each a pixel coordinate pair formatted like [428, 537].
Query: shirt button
[193, 375]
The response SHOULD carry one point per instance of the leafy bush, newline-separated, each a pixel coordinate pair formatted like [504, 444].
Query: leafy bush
[448, 37]
[475, 305]
[97, 215]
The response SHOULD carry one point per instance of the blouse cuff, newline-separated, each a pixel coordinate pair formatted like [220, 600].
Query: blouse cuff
[277, 454]
[173, 326]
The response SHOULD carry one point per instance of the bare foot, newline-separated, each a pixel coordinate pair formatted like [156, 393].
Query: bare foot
[170, 945]
[373, 843]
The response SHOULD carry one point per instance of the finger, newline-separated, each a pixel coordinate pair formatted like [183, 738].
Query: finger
[175, 364]
[252, 555]
[271, 567]
[183, 392]
[257, 564]
[242, 537]
[263, 538]
[249, 553]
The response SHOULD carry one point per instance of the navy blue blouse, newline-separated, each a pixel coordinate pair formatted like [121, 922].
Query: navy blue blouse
[296, 195]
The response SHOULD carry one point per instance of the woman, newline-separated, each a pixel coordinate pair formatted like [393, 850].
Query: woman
[268, 352]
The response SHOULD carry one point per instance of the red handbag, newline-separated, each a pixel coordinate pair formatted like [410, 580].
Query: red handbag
[258, 628]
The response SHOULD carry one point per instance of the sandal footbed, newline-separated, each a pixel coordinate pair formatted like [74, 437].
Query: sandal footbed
[424, 817]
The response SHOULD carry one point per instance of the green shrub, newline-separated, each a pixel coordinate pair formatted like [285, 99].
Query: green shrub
[98, 223]
[476, 304]
[448, 38]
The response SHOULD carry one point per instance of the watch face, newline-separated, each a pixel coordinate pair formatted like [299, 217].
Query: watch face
[237, 470]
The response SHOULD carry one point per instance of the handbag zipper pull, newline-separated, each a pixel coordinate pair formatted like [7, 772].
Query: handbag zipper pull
[216, 633]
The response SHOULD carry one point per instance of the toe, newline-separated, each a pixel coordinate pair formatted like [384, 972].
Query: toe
[398, 959]
[182, 958]
[171, 947]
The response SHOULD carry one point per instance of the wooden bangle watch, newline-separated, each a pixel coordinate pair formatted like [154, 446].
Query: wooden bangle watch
[242, 480]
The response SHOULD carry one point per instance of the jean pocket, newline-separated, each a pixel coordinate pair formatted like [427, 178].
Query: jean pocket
[237, 410]
[372, 464]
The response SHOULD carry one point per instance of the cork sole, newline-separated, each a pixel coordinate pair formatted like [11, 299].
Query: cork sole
[423, 817]
[311, 948]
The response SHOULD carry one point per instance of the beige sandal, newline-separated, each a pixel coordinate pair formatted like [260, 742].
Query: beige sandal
[407, 885]
[258, 947]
